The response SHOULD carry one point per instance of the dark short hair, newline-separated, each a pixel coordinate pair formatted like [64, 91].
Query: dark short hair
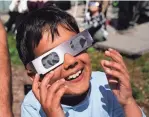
[30, 30]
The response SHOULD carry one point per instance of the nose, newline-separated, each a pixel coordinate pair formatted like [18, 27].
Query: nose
[69, 61]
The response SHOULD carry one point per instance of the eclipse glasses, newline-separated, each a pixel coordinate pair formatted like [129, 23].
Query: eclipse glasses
[55, 57]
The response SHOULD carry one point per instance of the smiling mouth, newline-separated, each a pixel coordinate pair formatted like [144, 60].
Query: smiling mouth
[74, 76]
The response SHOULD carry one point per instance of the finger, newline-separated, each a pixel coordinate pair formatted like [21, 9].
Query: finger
[110, 65]
[53, 89]
[43, 86]
[116, 92]
[119, 76]
[35, 86]
[105, 68]
[102, 64]
[58, 96]
[116, 57]
[116, 52]
[113, 83]
[112, 80]
[116, 66]
[47, 79]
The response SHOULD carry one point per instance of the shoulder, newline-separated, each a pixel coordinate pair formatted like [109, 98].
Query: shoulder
[30, 100]
[99, 85]
[99, 78]
[97, 73]
[101, 92]
[31, 107]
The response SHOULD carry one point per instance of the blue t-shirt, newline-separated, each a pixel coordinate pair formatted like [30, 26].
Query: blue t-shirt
[99, 102]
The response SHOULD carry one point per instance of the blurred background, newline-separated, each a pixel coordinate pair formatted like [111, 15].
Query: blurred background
[122, 25]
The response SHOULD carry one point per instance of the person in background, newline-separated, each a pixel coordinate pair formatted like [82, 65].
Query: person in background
[5, 76]
[96, 20]
[13, 13]
[17, 11]
[35, 4]
[104, 6]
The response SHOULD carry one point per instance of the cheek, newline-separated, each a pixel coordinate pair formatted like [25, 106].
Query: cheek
[84, 57]
[57, 75]
[57, 72]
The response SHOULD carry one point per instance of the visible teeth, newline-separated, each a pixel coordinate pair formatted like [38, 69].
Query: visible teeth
[73, 76]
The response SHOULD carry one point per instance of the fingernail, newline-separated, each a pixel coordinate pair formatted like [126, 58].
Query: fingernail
[111, 49]
[107, 52]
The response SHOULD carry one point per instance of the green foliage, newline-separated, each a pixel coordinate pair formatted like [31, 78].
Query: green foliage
[145, 68]
[115, 3]
[141, 61]
[15, 60]
[146, 88]
[96, 57]
[136, 92]
[91, 50]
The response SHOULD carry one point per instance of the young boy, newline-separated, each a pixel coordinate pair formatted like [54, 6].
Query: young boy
[71, 89]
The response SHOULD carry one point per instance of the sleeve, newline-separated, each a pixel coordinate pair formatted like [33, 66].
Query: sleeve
[13, 5]
[117, 110]
[111, 104]
[22, 7]
[143, 114]
[29, 111]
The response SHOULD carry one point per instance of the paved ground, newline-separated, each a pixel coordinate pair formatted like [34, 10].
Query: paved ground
[133, 42]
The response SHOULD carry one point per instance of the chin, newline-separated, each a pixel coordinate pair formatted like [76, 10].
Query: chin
[77, 90]
[80, 85]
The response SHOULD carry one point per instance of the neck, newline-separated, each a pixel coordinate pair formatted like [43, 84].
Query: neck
[72, 100]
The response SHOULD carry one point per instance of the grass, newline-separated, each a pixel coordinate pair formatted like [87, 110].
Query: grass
[139, 69]
[15, 60]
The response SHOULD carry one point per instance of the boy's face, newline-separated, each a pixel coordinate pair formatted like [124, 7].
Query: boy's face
[78, 66]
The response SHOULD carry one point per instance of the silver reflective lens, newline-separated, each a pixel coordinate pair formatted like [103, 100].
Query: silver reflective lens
[50, 60]
[55, 57]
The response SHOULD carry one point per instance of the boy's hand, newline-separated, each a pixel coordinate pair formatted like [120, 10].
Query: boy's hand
[118, 77]
[48, 95]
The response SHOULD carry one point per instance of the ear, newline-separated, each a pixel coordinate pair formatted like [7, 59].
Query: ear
[31, 74]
